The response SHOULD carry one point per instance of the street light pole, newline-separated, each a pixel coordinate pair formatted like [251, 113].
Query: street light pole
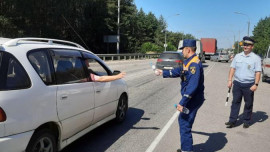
[118, 28]
[165, 45]
[247, 17]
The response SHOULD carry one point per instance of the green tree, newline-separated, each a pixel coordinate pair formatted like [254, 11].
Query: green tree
[150, 47]
[238, 48]
[171, 47]
[84, 22]
[261, 34]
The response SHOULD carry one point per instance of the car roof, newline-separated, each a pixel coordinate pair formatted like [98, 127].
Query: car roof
[3, 40]
[12, 45]
[171, 52]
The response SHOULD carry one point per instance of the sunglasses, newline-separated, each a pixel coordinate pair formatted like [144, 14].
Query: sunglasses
[246, 44]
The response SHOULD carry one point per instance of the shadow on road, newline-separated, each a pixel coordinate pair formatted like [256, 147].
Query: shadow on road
[258, 116]
[215, 142]
[104, 136]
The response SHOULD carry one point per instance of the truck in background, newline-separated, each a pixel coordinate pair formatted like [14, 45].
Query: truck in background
[199, 50]
[209, 46]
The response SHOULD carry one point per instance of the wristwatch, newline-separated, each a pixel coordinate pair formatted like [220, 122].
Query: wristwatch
[257, 84]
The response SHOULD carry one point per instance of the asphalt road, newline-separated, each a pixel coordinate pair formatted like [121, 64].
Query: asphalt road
[152, 119]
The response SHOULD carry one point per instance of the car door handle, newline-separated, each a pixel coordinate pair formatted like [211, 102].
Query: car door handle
[64, 97]
[98, 91]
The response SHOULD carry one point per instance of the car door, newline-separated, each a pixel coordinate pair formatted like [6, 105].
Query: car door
[106, 97]
[266, 63]
[75, 95]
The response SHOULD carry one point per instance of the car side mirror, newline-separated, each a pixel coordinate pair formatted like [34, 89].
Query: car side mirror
[115, 72]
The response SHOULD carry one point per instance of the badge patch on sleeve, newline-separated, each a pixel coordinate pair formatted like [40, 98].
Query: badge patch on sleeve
[193, 70]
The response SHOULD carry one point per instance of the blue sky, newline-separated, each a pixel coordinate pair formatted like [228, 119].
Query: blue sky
[209, 18]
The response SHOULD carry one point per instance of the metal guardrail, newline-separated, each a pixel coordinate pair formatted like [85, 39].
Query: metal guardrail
[131, 56]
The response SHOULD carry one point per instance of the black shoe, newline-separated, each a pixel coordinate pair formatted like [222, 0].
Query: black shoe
[230, 124]
[179, 150]
[245, 125]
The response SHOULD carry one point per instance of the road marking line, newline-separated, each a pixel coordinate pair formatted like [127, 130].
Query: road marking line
[210, 69]
[168, 125]
[162, 133]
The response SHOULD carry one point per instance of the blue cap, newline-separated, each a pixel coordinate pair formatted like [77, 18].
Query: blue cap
[188, 43]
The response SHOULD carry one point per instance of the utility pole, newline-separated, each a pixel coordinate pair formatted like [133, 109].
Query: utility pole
[118, 28]
[238, 42]
[247, 17]
[165, 45]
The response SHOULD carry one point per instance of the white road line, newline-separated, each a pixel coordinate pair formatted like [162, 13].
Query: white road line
[210, 69]
[168, 125]
[162, 133]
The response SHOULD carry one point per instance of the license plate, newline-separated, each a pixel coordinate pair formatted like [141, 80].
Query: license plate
[168, 68]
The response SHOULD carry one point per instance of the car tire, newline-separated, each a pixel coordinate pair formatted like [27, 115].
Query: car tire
[122, 108]
[42, 140]
[264, 78]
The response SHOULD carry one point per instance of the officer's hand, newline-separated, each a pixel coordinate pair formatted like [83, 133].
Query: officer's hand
[179, 108]
[253, 88]
[158, 72]
[229, 84]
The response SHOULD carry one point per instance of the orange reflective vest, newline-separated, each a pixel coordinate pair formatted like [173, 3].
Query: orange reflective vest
[194, 59]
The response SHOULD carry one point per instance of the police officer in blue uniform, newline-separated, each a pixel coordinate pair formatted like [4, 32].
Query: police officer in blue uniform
[246, 69]
[192, 91]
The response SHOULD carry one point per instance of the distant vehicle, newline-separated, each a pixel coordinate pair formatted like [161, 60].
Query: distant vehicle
[220, 57]
[209, 46]
[199, 50]
[47, 97]
[266, 66]
[214, 57]
[169, 60]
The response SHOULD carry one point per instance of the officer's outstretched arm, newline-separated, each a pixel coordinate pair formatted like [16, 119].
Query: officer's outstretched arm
[172, 73]
[194, 71]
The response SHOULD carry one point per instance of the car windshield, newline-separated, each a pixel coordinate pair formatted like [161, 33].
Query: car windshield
[223, 54]
[170, 56]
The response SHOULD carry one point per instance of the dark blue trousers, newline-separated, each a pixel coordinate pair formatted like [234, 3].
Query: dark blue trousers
[242, 90]
[185, 124]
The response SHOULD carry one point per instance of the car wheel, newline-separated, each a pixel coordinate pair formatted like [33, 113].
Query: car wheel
[263, 77]
[42, 140]
[122, 108]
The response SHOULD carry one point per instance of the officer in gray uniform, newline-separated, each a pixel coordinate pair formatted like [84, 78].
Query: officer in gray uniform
[246, 69]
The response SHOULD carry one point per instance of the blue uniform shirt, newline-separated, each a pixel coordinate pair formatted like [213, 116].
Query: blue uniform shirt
[246, 66]
[192, 85]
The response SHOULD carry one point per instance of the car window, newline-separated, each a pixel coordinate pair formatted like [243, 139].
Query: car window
[68, 68]
[13, 75]
[40, 62]
[95, 67]
[170, 56]
[269, 54]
